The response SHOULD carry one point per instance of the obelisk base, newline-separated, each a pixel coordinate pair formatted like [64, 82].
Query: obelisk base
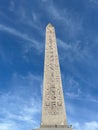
[54, 128]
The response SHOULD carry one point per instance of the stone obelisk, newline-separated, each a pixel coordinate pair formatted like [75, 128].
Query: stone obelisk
[53, 108]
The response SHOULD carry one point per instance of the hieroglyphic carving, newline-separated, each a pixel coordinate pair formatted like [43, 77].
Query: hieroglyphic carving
[53, 102]
[53, 92]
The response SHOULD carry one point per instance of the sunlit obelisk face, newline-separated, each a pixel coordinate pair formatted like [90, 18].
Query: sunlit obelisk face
[53, 110]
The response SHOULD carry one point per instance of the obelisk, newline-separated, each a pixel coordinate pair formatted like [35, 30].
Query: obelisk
[53, 108]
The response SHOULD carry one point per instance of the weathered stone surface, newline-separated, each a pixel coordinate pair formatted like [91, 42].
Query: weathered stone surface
[53, 108]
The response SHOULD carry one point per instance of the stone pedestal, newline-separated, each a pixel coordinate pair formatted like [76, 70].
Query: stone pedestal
[54, 128]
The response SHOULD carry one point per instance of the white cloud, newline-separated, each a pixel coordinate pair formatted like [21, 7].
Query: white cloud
[63, 44]
[80, 97]
[29, 18]
[71, 22]
[75, 51]
[74, 91]
[71, 95]
[18, 106]
[33, 43]
[35, 18]
[16, 33]
[2, 54]
[12, 5]
[93, 125]
[8, 126]
[94, 1]
[27, 115]
[73, 88]
[44, 0]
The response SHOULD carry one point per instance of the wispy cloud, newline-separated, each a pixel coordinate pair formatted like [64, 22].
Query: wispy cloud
[76, 52]
[74, 91]
[2, 54]
[21, 35]
[22, 104]
[93, 125]
[8, 126]
[44, 0]
[71, 22]
[74, 48]
[15, 32]
[63, 44]
[12, 5]
[94, 2]
[75, 96]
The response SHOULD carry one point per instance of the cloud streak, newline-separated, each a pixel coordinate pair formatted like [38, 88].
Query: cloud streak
[94, 2]
[21, 108]
[21, 35]
[71, 22]
[74, 91]
[93, 125]
[75, 51]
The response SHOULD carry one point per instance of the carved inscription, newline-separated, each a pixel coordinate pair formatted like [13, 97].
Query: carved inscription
[53, 104]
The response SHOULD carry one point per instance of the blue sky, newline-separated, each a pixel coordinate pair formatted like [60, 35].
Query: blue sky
[22, 44]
